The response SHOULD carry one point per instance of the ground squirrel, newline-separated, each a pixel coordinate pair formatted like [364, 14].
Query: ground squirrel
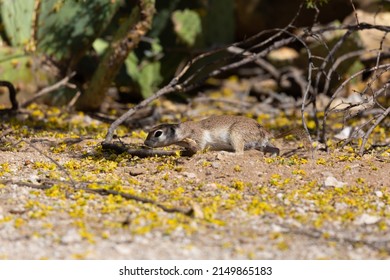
[228, 133]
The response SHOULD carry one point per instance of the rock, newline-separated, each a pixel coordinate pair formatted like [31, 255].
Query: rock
[137, 171]
[123, 249]
[17, 210]
[71, 236]
[224, 155]
[267, 85]
[278, 228]
[366, 219]
[344, 134]
[340, 206]
[371, 38]
[379, 194]
[333, 182]
[34, 178]
[283, 54]
[197, 210]
[209, 187]
[189, 175]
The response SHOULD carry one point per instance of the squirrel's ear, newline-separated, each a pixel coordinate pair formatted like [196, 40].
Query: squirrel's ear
[172, 129]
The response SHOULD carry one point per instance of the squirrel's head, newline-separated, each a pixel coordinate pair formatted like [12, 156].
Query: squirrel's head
[162, 135]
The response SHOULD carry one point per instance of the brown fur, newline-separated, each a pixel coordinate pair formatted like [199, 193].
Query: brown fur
[230, 133]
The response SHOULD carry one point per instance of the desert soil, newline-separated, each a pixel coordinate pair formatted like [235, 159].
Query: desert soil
[53, 203]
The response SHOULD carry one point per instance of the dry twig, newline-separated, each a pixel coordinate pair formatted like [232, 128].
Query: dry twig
[12, 94]
[47, 184]
[167, 209]
[195, 79]
[46, 90]
[49, 158]
[256, 48]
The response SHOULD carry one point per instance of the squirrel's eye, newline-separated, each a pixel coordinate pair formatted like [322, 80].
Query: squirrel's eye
[158, 133]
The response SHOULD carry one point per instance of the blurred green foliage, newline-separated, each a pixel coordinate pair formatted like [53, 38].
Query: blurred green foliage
[67, 29]
[74, 32]
[187, 25]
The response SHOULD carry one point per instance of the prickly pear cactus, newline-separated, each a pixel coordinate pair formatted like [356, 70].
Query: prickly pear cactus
[64, 27]
[17, 18]
[187, 25]
[22, 69]
[70, 27]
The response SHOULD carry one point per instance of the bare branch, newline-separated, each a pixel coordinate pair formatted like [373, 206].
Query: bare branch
[379, 119]
[327, 109]
[47, 184]
[6, 132]
[50, 158]
[49, 89]
[102, 191]
[12, 94]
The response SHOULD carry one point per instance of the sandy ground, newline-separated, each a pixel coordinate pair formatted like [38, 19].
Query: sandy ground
[333, 206]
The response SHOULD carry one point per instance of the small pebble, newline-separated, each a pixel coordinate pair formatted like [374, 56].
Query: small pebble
[366, 219]
[189, 175]
[344, 134]
[197, 210]
[71, 236]
[333, 182]
[379, 194]
[137, 171]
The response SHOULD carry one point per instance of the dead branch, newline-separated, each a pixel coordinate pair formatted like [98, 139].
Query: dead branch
[365, 105]
[355, 133]
[43, 186]
[121, 148]
[330, 58]
[6, 132]
[49, 158]
[167, 209]
[272, 70]
[379, 245]
[327, 109]
[175, 85]
[378, 120]
[73, 101]
[46, 90]
[355, 27]
[305, 94]
[47, 184]
[250, 50]
[12, 94]
[336, 64]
